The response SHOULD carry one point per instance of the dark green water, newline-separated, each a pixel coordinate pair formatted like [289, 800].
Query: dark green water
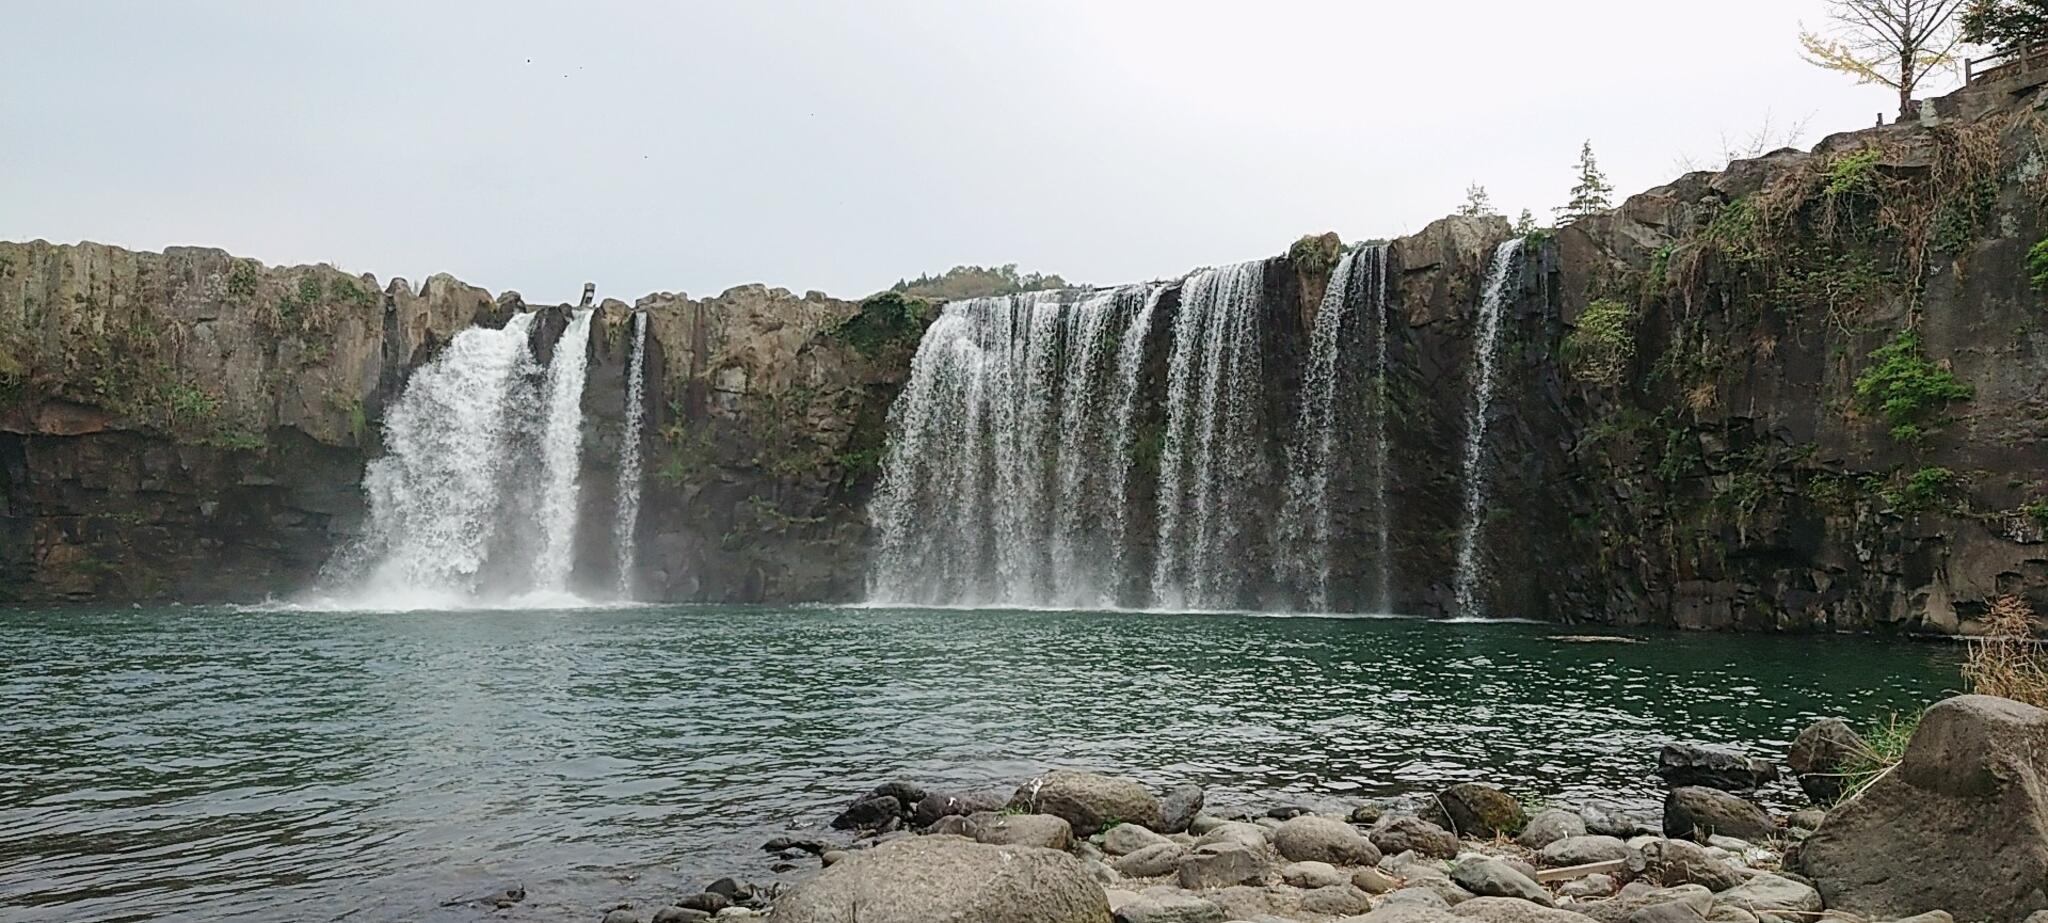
[214, 764]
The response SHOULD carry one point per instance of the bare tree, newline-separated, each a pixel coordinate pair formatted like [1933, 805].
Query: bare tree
[1769, 136]
[1893, 43]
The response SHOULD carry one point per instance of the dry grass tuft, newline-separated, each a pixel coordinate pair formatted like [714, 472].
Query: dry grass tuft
[2007, 661]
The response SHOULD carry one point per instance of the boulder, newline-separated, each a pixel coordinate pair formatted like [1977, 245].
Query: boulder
[1549, 826]
[1680, 862]
[1697, 812]
[1374, 881]
[947, 804]
[709, 902]
[1419, 896]
[1124, 839]
[1336, 901]
[1251, 835]
[1390, 911]
[674, 914]
[1366, 815]
[920, 879]
[1615, 820]
[1041, 830]
[1772, 898]
[1180, 807]
[1220, 865]
[1310, 838]
[1820, 754]
[1590, 887]
[1169, 907]
[1485, 876]
[1688, 764]
[1313, 875]
[1580, 850]
[1961, 824]
[1472, 809]
[1151, 862]
[1691, 902]
[1510, 910]
[869, 814]
[1088, 801]
[1395, 835]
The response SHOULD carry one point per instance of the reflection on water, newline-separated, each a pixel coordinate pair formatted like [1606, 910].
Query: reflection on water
[214, 764]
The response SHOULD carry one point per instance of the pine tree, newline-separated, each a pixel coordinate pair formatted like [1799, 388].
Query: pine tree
[1526, 225]
[2006, 25]
[1590, 196]
[1477, 203]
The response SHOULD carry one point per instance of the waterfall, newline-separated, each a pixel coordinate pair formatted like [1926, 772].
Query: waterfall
[1303, 539]
[1485, 356]
[562, 456]
[434, 495]
[626, 526]
[1376, 429]
[1130, 369]
[1210, 453]
[999, 474]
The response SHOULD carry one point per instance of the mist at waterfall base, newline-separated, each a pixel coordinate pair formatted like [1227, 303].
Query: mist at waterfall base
[475, 501]
[199, 763]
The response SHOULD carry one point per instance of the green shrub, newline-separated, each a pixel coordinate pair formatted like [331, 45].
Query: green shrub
[2037, 264]
[1922, 490]
[1908, 390]
[1600, 348]
[1314, 254]
[884, 320]
[1881, 748]
[1853, 173]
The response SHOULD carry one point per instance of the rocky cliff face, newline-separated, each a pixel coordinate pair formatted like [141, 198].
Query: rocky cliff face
[1807, 393]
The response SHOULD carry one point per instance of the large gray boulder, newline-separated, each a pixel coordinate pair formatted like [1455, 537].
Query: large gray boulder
[936, 805]
[1150, 862]
[1510, 910]
[1820, 754]
[1169, 907]
[1688, 901]
[1690, 764]
[1490, 877]
[1698, 812]
[1041, 830]
[921, 879]
[1310, 838]
[1549, 826]
[1402, 833]
[1583, 850]
[1682, 862]
[1124, 839]
[1220, 865]
[1088, 801]
[1179, 807]
[1772, 898]
[1961, 824]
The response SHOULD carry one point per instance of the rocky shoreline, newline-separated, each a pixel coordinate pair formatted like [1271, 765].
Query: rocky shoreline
[1956, 829]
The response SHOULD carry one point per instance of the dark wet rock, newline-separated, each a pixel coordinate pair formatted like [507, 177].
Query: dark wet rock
[1179, 807]
[624, 915]
[1041, 830]
[928, 878]
[1490, 877]
[956, 825]
[1549, 826]
[1475, 810]
[674, 914]
[905, 793]
[1395, 835]
[1512, 910]
[1677, 862]
[1336, 901]
[1166, 907]
[936, 805]
[1365, 815]
[496, 900]
[1088, 801]
[1697, 812]
[1960, 824]
[1287, 812]
[1772, 898]
[1688, 764]
[1582, 850]
[869, 814]
[1820, 755]
[1808, 820]
[1151, 862]
[1220, 865]
[1322, 839]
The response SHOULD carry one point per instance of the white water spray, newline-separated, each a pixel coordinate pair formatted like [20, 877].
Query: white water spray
[1486, 352]
[625, 527]
[1303, 536]
[562, 456]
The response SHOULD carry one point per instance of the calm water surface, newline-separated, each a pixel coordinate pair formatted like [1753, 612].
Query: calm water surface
[216, 764]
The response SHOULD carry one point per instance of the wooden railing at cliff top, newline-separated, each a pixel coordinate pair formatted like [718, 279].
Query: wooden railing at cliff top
[2005, 63]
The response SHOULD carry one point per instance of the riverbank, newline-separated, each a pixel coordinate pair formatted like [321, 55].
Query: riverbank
[1887, 837]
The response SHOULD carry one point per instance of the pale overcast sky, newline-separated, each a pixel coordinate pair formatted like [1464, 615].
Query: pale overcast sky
[691, 146]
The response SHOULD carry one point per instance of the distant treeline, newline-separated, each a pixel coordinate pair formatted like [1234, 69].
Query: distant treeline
[978, 282]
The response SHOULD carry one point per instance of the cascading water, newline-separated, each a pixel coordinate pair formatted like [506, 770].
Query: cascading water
[434, 495]
[562, 456]
[999, 470]
[1486, 350]
[1130, 370]
[1304, 533]
[1376, 427]
[1210, 453]
[625, 527]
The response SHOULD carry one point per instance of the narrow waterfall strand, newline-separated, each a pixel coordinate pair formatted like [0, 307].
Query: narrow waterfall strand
[1485, 358]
